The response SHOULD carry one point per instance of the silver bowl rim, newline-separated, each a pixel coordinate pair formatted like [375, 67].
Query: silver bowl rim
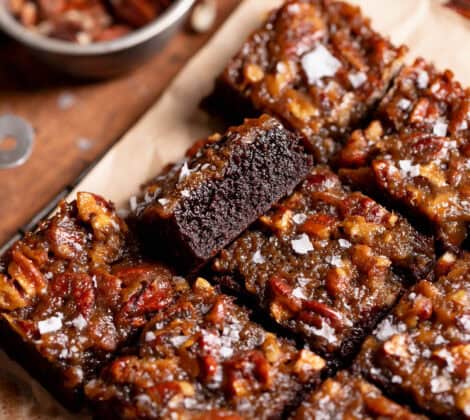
[17, 31]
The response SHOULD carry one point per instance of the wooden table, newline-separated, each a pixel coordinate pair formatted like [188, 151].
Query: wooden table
[75, 122]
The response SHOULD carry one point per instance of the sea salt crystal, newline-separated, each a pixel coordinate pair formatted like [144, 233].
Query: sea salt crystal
[143, 399]
[344, 243]
[303, 281]
[440, 128]
[375, 371]
[440, 340]
[299, 293]
[302, 244]
[326, 332]
[408, 169]
[184, 172]
[258, 258]
[396, 379]
[440, 384]
[423, 79]
[163, 201]
[133, 203]
[357, 79]
[178, 340]
[185, 193]
[335, 261]
[226, 352]
[404, 104]
[465, 321]
[426, 353]
[463, 125]
[79, 322]
[385, 330]
[190, 403]
[52, 324]
[210, 338]
[150, 336]
[319, 63]
[299, 218]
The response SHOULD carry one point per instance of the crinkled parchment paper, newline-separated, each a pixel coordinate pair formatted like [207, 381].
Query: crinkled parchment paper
[166, 130]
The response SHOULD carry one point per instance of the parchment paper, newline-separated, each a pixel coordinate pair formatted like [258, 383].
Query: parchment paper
[166, 130]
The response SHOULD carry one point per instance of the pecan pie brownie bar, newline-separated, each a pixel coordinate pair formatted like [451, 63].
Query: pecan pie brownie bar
[417, 155]
[421, 351]
[73, 292]
[324, 263]
[203, 358]
[198, 206]
[315, 64]
[348, 397]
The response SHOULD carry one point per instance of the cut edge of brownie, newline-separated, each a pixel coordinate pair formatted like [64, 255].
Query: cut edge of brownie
[267, 168]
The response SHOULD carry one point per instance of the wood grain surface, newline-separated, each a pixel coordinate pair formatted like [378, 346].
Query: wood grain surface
[75, 122]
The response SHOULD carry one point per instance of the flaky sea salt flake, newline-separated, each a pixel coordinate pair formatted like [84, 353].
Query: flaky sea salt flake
[302, 244]
[319, 63]
[52, 324]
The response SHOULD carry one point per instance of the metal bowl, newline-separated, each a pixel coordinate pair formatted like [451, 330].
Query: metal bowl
[103, 59]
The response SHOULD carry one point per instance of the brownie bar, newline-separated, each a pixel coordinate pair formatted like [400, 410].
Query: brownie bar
[348, 396]
[315, 64]
[323, 262]
[421, 351]
[73, 292]
[416, 156]
[204, 202]
[203, 358]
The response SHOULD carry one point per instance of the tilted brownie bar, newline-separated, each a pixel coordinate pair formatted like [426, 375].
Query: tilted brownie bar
[317, 65]
[203, 358]
[73, 292]
[201, 204]
[348, 397]
[421, 351]
[321, 262]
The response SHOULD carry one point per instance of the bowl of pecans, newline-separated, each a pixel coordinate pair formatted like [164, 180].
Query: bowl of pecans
[93, 38]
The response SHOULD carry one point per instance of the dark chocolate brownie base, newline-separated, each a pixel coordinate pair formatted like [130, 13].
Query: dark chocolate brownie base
[203, 203]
